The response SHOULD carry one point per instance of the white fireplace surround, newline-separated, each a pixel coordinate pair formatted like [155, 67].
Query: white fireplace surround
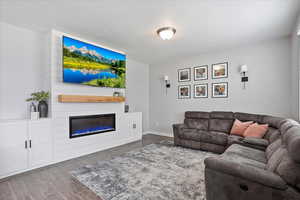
[63, 147]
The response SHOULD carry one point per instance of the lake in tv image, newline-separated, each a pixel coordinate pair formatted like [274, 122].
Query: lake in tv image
[92, 65]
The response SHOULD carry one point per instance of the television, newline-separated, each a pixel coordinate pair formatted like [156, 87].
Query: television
[87, 64]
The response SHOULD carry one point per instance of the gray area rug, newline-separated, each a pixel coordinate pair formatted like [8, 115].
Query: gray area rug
[154, 172]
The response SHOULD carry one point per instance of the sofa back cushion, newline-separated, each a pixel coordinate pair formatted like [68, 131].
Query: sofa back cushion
[272, 135]
[221, 121]
[272, 148]
[289, 170]
[291, 139]
[197, 120]
[248, 117]
[283, 154]
[274, 122]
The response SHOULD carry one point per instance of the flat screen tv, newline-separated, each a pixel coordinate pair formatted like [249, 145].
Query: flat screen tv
[92, 65]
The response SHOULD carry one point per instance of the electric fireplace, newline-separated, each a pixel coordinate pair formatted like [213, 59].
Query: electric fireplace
[91, 124]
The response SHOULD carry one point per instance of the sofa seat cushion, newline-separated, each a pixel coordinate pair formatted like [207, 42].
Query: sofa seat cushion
[234, 139]
[256, 141]
[214, 137]
[190, 134]
[248, 153]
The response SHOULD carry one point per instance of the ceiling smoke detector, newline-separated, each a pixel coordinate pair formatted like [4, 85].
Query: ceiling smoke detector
[166, 33]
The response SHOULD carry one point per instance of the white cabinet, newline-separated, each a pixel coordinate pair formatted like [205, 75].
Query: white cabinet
[13, 152]
[24, 145]
[40, 142]
[133, 123]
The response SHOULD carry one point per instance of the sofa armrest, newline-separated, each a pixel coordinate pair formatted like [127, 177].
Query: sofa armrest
[256, 141]
[250, 173]
[177, 129]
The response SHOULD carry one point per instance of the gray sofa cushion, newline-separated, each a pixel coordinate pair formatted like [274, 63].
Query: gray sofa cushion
[221, 115]
[248, 152]
[275, 159]
[248, 117]
[289, 170]
[196, 115]
[214, 137]
[234, 139]
[291, 138]
[272, 134]
[256, 141]
[201, 124]
[190, 134]
[274, 122]
[234, 168]
[272, 148]
[222, 125]
[287, 124]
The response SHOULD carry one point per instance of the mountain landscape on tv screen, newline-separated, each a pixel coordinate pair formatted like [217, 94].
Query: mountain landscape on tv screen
[87, 64]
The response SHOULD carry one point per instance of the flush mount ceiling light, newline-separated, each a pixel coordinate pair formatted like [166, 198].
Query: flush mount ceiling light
[166, 33]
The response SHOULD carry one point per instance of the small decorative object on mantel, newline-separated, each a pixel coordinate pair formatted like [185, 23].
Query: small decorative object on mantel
[117, 94]
[126, 108]
[220, 70]
[184, 91]
[184, 75]
[40, 97]
[220, 90]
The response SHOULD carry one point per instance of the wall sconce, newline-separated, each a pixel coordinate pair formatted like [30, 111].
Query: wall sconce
[167, 81]
[243, 70]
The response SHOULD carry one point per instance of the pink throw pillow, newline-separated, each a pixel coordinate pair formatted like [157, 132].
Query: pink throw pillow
[239, 127]
[256, 130]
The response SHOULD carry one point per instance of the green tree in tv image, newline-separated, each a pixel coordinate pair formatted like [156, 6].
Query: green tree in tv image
[94, 65]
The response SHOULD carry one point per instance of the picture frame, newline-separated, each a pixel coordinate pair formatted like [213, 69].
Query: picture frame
[184, 92]
[201, 73]
[201, 90]
[219, 70]
[219, 90]
[184, 75]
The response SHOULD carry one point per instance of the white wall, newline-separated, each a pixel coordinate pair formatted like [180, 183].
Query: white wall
[295, 70]
[267, 92]
[137, 89]
[23, 68]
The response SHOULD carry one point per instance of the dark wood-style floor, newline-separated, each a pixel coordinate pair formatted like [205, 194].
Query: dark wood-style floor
[55, 183]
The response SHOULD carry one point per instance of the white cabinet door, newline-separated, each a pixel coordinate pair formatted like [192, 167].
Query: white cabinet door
[13, 153]
[134, 121]
[40, 142]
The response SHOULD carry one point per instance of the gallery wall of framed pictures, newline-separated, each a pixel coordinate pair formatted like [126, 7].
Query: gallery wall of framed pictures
[200, 86]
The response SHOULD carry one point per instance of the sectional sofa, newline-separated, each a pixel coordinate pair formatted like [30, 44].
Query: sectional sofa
[247, 168]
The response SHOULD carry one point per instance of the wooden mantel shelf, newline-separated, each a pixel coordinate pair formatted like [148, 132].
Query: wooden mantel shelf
[89, 99]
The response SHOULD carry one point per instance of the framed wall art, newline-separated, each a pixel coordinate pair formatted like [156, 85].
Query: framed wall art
[184, 75]
[201, 90]
[220, 90]
[184, 91]
[219, 70]
[201, 73]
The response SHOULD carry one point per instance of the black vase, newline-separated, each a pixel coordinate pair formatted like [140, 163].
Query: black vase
[43, 109]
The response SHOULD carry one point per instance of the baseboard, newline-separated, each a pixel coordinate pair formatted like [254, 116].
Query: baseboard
[158, 133]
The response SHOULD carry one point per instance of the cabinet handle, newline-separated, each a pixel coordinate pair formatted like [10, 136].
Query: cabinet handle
[25, 144]
[29, 143]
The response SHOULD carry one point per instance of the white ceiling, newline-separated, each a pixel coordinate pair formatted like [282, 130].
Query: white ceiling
[130, 25]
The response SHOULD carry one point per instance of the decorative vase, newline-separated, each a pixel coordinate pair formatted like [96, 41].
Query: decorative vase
[43, 109]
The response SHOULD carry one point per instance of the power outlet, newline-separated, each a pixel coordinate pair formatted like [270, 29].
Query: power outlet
[134, 126]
